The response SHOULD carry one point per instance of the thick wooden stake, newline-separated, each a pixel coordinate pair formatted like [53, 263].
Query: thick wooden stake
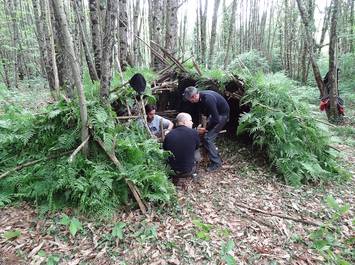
[130, 184]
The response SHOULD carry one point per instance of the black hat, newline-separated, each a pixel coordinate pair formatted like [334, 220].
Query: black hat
[138, 83]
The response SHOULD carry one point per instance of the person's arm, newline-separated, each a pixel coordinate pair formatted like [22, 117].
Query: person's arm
[167, 125]
[212, 110]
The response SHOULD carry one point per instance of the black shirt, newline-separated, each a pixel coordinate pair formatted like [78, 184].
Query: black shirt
[213, 104]
[182, 142]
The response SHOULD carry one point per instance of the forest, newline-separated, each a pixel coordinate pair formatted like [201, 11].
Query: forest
[83, 178]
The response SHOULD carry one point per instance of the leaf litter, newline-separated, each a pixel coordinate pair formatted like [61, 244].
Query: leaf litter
[206, 219]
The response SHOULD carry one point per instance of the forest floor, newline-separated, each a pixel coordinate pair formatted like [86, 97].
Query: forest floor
[216, 221]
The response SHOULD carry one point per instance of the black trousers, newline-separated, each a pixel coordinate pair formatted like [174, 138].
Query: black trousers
[210, 138]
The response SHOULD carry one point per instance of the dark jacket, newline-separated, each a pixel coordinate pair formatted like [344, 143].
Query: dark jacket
[182, 142]
[214, 105]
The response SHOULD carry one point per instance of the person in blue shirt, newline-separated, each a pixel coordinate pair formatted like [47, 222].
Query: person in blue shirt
[216, 108]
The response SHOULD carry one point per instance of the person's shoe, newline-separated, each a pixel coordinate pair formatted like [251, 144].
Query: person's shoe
[195, 177]
[213, 167]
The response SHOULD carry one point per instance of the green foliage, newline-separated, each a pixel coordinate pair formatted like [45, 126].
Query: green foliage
[73, 224]
[297, 146]
[12, 234]
[203, 230]
[117, 231]
[252, 60]
[227, 251]
[329, 239]
[93, 185]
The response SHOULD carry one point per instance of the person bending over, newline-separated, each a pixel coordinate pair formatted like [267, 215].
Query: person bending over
[154, 121]
[183, 143]
[216, 108]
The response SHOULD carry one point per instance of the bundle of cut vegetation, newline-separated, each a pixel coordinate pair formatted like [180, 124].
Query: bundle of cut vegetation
[37, 162]
[297, 145]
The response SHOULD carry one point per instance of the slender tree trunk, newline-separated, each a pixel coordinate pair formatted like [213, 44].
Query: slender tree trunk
[213, 32]
[123, 35]
[136, 27]
[69, 48]
[95, 34]
[352, 25]
[108, 42]
[310, 46]
[230, 33]
[52, 75]
[83, 33]
[155, 15]
[171, 26]
[203, 28]
[333, 113]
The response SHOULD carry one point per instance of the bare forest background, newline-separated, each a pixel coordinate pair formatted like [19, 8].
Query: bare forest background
[109, 36]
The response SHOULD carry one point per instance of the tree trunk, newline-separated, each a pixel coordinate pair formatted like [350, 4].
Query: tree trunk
[230, 33]
[83, 33]
[155, 15]
[75, 68]
[352, 25]
[203, 28]
[171, 26]
[213, 32]
[333, 113]
[123, 36]
[136, 31]
[310, 46]
[95, 34]
[52, 69]
[108, 42]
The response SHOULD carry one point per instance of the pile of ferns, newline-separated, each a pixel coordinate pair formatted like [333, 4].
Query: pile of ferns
[92, 184]
[297, 145]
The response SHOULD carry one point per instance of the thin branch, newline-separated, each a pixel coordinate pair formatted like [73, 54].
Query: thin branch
[27, 164]
[278, 215]
[70, 160]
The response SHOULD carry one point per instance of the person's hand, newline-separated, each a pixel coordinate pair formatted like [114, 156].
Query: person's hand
[201, 131]
[166, 131]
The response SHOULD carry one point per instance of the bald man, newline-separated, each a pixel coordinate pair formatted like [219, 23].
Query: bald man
[182, 142]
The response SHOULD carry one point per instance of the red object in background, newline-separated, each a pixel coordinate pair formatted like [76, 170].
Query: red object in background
[324, 104]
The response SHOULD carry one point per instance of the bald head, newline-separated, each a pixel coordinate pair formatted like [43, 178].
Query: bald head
[184, 119]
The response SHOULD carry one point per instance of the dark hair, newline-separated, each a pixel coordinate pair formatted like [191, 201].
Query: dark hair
[149, 108]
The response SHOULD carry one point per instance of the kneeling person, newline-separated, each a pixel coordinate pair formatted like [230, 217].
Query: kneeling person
[183, 142]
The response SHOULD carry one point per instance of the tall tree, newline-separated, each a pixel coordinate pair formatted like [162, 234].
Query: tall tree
[155, 16]
[123, 35]
[50, 51]
[213, 32]
[171, 26]
[96, 34]
[203, 29]
[310, 47]
[230, 33]
[107, 49]
[86, 45]
[332, 85]
[75, 68]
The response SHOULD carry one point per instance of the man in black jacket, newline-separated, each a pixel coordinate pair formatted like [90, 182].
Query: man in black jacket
[216, 108]
[183, 143]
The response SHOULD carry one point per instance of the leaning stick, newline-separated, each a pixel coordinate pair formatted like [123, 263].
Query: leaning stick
[19, 167]
[130, 184]
[78, 149]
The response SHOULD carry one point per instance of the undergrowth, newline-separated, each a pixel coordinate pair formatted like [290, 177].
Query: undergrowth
[296, 144]
[93, 185]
